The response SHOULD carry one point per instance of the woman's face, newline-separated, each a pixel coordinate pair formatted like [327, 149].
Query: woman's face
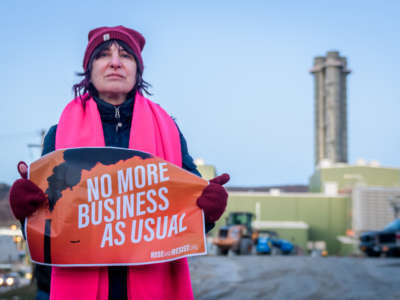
[114, 74]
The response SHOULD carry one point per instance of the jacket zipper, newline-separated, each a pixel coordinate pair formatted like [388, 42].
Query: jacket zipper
[118, 118]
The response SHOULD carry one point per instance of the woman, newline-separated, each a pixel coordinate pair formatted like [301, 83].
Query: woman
[110, 110]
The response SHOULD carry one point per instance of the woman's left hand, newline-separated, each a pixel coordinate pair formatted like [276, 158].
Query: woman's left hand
[214, 198]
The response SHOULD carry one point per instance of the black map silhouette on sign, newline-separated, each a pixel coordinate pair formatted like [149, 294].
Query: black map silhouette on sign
[69, 173]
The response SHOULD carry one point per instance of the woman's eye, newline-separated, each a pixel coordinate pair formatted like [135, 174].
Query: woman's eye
[103, 54]
[126, 55]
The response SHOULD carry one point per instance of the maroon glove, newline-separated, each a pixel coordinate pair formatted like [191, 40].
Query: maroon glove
[25, 196]
[213, 199]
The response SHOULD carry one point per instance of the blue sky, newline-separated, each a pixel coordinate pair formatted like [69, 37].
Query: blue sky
[235, 75]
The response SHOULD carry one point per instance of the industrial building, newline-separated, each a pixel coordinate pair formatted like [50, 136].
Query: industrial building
[11, 245]
[343, 200]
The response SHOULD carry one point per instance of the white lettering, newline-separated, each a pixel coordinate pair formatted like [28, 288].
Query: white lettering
[150, 237]
[163, 169]
[105, 193]
[140, 174]
[93, 188]
[139, 203]
[120, 233]
[128, 204]
[158, 230]
[149, 195]
[162, 197]
[107, 236]
[107, 207]
[124, 182]
[99, 212]
[181, 227]
[135, 238]
[152, 173]
[118, 207]
[173, 227]
[83, 214]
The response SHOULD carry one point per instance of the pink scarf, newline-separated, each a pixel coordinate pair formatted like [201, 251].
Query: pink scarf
[152, 131]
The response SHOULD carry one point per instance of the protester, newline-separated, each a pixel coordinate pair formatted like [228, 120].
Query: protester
[110, 109]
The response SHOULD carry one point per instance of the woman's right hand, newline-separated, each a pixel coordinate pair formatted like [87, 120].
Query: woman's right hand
[25, 196]
[214, 198]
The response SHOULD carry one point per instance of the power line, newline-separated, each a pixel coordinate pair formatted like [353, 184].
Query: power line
[42, 135]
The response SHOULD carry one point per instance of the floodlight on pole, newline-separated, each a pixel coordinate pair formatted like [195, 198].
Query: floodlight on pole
[394, 202]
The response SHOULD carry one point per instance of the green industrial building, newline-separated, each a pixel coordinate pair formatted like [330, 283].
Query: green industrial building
[323, 216]
[342, 200]
[326, 217]
[346, 177]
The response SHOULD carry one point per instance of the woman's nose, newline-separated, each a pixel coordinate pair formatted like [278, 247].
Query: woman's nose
[115, 61]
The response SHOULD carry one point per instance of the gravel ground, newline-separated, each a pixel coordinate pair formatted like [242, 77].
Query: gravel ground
[294, 277]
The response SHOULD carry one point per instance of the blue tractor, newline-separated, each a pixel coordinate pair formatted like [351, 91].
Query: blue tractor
[264, 241]
[268, 242]
[284, 246]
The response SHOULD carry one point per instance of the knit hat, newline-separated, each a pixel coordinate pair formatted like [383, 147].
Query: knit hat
[99, 35]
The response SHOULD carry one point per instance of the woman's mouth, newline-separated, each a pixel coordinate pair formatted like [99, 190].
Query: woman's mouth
[114, 76]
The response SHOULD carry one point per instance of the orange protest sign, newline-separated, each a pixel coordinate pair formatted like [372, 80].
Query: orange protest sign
[113, 206]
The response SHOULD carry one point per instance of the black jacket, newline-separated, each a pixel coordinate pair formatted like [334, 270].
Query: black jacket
[116, 122]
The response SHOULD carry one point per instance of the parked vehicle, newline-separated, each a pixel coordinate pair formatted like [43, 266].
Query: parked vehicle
[236, 235]
[386, 241]
[263, 241]
[9, 279]
[263, 245]
[284, 246]
[239, 237]
[268, 242]
[369, 244]
[389, 239]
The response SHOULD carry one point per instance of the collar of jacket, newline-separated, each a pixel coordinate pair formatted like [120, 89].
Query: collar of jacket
[107, 110]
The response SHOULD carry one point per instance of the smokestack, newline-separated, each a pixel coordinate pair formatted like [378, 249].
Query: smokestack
[330, 95]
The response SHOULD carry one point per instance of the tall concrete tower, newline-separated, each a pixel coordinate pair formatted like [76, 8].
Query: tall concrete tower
[330, 74]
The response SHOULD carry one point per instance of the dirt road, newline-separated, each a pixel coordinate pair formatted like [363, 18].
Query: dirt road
[294, 277]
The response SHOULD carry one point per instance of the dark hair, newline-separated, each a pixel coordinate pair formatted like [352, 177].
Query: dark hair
[86, 86]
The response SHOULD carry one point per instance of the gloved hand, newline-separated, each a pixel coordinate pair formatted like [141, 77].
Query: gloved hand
[214, 197]
[25, 196]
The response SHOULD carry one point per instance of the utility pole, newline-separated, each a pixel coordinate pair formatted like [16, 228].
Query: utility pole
[42, 133]
[395, 204]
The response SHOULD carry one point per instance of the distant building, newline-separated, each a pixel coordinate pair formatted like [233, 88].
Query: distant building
[373, 207]
[11, 245]
[330, 95]
[342, 200]
[370, 186]
[344, 177]
[206, 171]
[297, 217]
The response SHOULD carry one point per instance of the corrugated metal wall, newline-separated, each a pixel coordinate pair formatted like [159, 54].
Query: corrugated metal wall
[327, 217]
[371, 207]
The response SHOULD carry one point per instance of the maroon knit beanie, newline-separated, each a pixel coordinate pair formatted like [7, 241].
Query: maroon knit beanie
[102, 34]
